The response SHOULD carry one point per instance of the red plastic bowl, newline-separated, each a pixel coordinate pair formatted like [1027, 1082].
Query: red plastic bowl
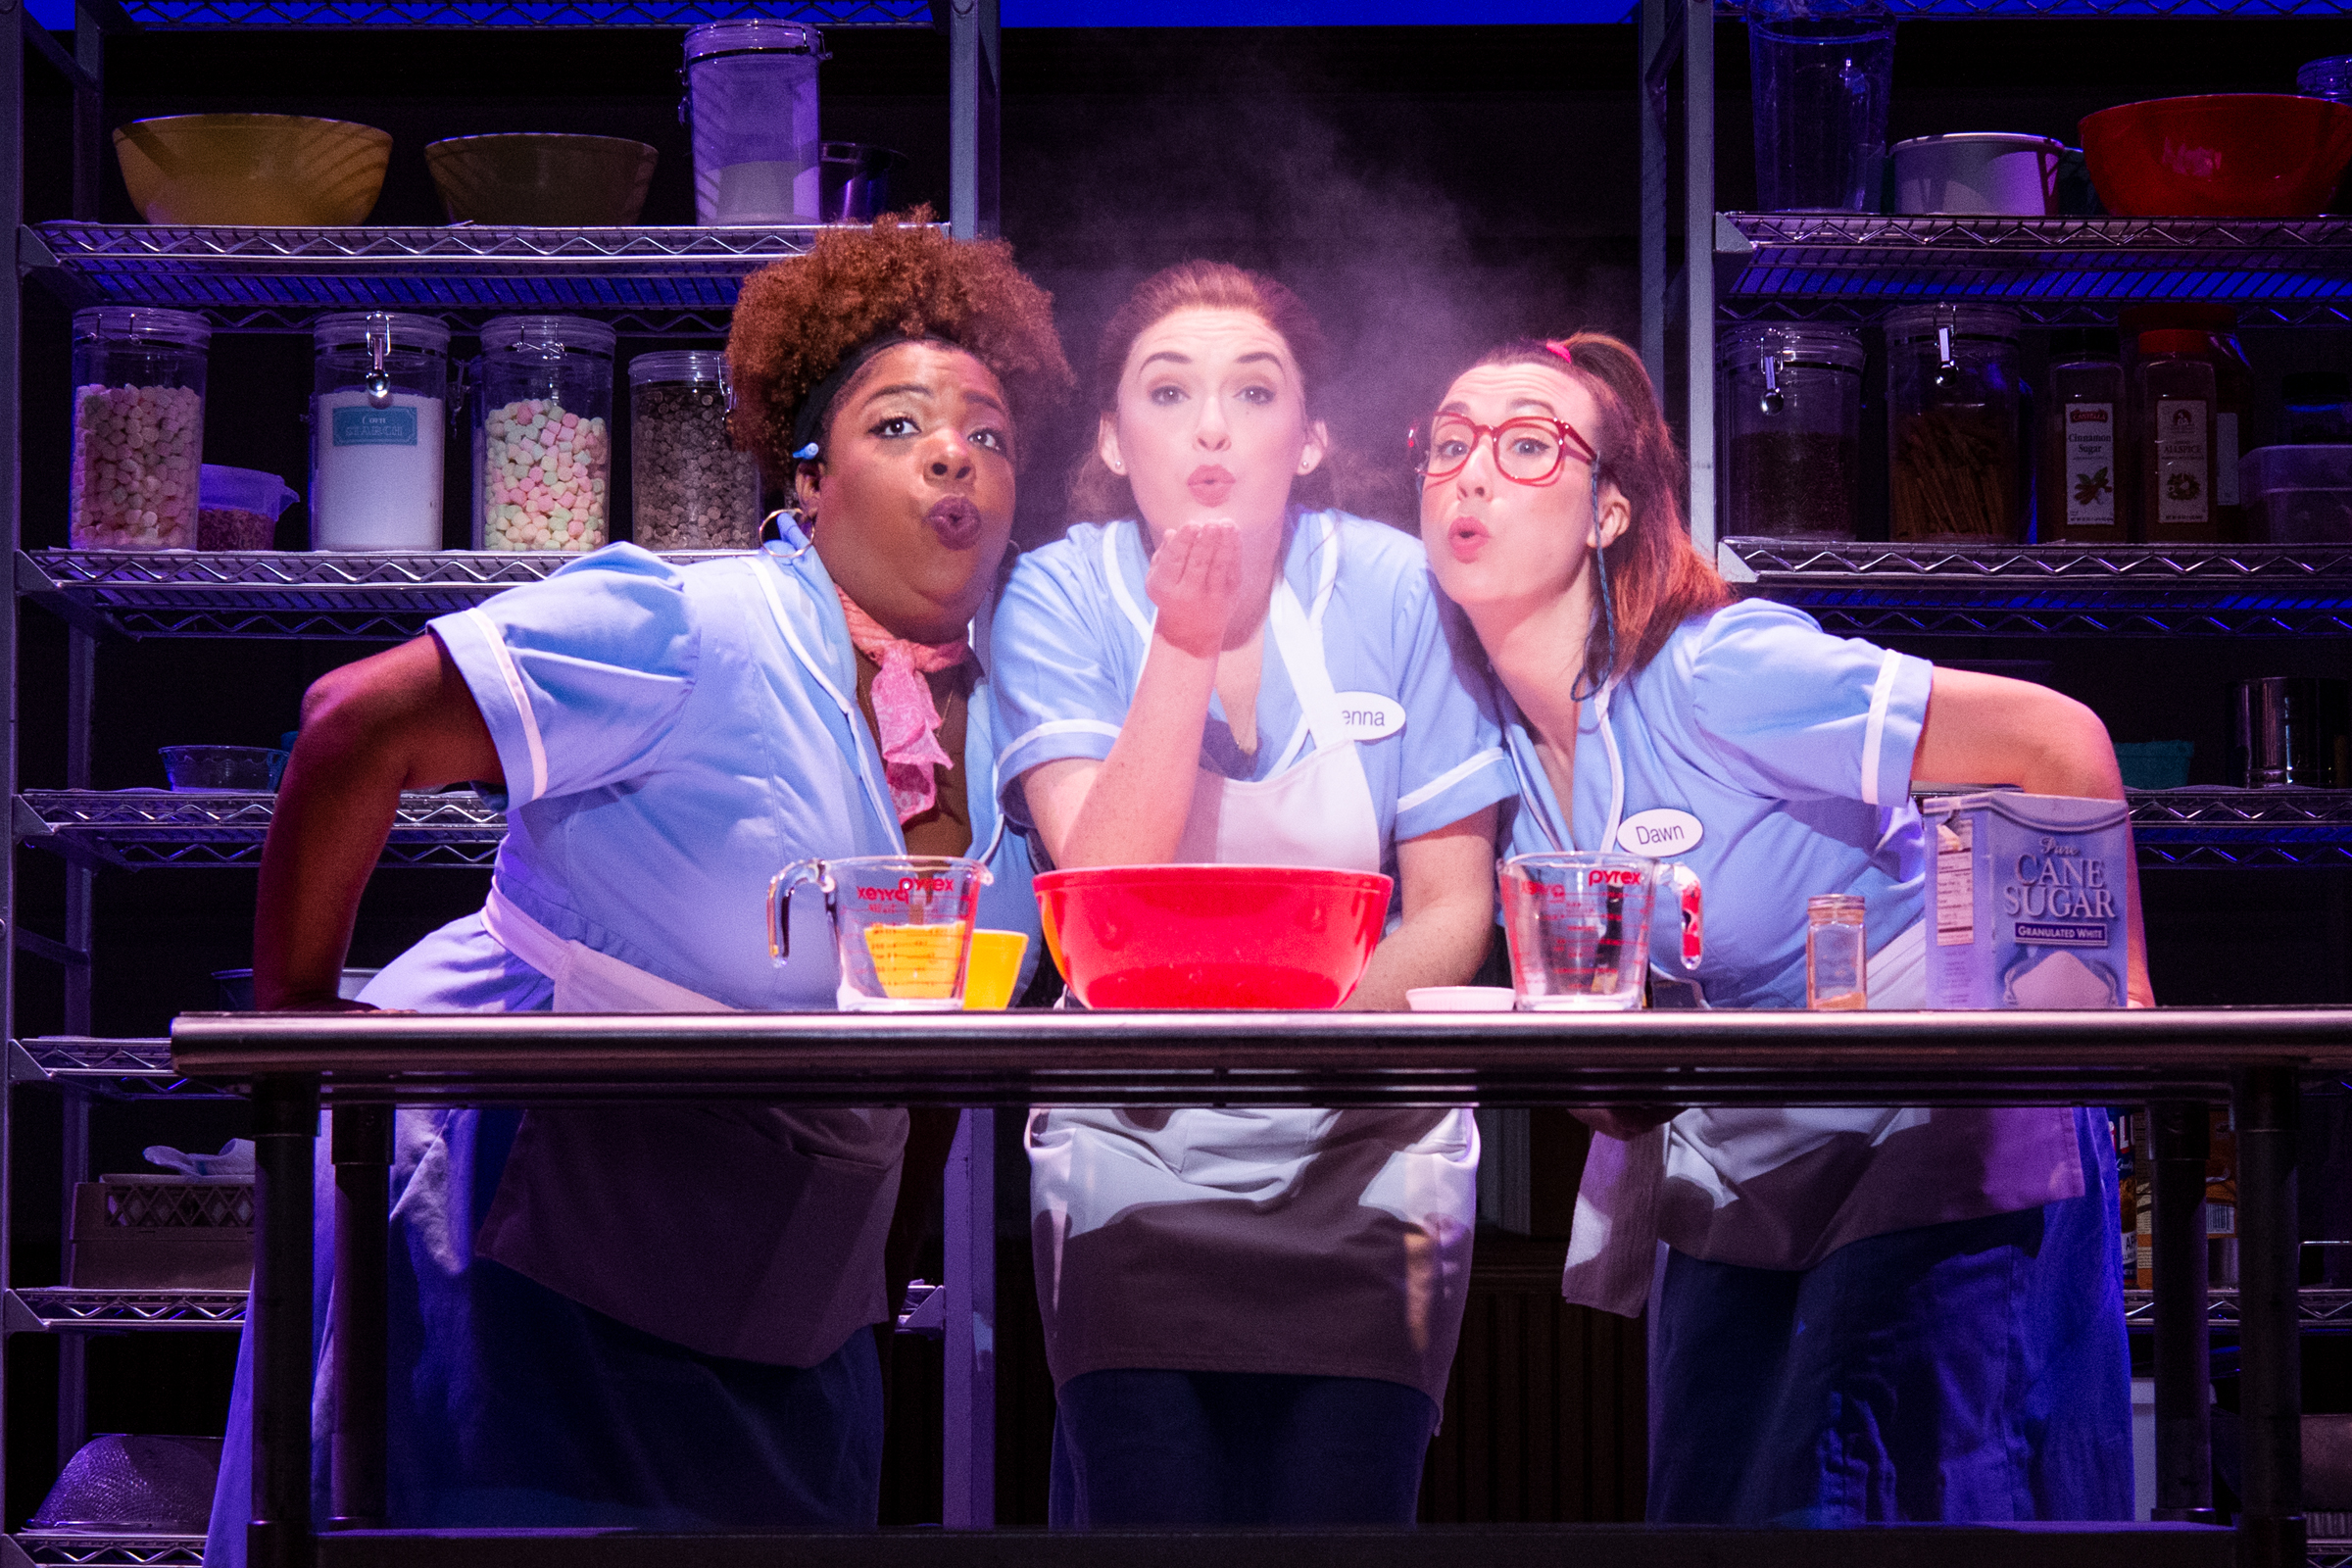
[1212, 936]
[2224, 154]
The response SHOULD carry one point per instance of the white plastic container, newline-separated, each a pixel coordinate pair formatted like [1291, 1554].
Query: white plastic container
[1995, 172]
[2299, 495]
[2031, 901]
[379, 426]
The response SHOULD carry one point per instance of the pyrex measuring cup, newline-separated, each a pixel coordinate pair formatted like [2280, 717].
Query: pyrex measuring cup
[1577, 926]
[902, 924]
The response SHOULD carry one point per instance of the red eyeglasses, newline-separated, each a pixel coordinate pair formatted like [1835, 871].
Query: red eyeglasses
[1528, 450]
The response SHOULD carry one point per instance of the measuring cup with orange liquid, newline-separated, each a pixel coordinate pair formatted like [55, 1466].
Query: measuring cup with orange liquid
[1578, 927]
[902, 926]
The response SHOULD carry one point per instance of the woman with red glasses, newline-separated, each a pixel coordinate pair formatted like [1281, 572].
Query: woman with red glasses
[1249, 1314]
[1859, 1314]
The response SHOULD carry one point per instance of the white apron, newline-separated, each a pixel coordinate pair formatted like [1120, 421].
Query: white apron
[1307, 1242]
[744, 1230]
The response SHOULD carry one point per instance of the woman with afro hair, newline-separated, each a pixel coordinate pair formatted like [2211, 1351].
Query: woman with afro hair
[658, 1316]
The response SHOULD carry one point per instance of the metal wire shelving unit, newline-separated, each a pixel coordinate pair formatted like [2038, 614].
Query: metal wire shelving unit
[67, 1549]
[136, 830]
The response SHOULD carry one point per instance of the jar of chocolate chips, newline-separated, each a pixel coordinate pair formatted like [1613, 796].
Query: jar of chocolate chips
[1789, 419]
[690, 488]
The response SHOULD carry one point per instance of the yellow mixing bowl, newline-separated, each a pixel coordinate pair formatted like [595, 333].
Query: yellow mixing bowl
[253, 171]
[992, 969]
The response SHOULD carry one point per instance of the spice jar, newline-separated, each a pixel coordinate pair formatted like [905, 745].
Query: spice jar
[138, 428]
[2173, 398]
[2082, 476]
[1791, 429]
[2214, 327]
[542, 446]
[379, 424]
[689, 487]
[1837, 955]
[1953, 399]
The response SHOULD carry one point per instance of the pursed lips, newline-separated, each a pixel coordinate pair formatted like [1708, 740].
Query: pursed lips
[1209, 484]
[1466, 536]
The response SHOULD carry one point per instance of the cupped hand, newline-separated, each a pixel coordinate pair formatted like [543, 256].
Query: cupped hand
[1194, 578]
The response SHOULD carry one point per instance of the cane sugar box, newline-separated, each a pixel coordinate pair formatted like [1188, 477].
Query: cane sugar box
[2032, 903]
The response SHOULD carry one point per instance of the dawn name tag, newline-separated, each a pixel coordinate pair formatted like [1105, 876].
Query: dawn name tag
[1370, 716]
[1660, 832]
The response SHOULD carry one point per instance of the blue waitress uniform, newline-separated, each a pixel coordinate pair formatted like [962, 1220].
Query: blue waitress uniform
[1176, 1249]
[647, 1316]
[1860, 1314]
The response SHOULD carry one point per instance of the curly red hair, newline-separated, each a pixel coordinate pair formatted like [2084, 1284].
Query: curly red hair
[797, 321]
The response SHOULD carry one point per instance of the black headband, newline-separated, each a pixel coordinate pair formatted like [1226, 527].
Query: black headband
[809, 423]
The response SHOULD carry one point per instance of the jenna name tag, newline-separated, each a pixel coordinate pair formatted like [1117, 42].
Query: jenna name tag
[1370, 716]
[1660, 832]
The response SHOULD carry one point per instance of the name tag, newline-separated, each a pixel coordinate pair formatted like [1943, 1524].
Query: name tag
[1370, 716]
[1660, 833]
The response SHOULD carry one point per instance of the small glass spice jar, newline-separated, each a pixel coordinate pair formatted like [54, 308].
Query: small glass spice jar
[2084, 495]
[542, 433]
[138, 428]
[1791, 429]
[689, 487]
[1954, 396]
[1836, 964]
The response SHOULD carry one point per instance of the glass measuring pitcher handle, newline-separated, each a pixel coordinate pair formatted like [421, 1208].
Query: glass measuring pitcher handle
[1679, 883]
[779, 904]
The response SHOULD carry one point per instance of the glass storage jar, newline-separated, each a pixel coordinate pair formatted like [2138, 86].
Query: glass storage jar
[689, 487]
[1954, 396]
[542, 433]
[380, 424]
[750, 100]
[1791, 429]
[138, 428]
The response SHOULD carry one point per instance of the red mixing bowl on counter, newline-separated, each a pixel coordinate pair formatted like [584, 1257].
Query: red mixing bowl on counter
[1212, 936]
[2218, 155]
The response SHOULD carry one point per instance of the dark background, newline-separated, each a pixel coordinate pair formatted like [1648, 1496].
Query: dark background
[1428, 190]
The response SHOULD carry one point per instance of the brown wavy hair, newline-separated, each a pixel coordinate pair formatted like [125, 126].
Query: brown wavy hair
[1657, 578]
[1098, 495]
[796, 319]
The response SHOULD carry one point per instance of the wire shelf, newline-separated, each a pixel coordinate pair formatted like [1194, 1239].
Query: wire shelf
[124, 1551]
[1961, 10]
[2053, 270]
[2237, 829]
[2314, 1305]
[1919, 589]
[273, 594]
[105, 1069]
[645, 281]
[139, 829]
[61, 1308]
[469, 14]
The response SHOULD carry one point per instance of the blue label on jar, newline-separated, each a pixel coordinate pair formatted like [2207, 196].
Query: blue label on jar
[375, 427]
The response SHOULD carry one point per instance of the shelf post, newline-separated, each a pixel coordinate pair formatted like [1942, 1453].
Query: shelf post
[1699, 262]
[1653, 44]
[969, 1447]
[974, 119]
[2179, 1142]
[2268, 1101]
[12, 356]
[362, 1138]
[278, 1317]
[90, 116]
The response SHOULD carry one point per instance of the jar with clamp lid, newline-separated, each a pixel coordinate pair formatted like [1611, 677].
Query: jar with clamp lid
[138, 428]
[1790, 428]
[380, 424]
[689, 487]
[542, 433]
[1954, 397]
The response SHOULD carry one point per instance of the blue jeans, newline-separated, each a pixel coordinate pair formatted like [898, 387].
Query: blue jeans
[1971, 1371]
[1154, 1447]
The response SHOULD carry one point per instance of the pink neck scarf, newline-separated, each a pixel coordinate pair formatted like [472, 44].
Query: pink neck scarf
[904, 712]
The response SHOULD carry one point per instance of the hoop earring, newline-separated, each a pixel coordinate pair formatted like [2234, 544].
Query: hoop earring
[807, 527]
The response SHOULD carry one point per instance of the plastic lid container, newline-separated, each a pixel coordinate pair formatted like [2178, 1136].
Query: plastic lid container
[246, 489]
[2331, 77]
[556, 334]
[678, 365]
[1920, 322]
[349, 328]
[119, 322]
[2304, 467]
[1835, 348]
[752, 36]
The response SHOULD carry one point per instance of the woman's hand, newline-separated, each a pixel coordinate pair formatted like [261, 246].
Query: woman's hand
[1447, 881]
[1195, 581]
[1984, 729]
